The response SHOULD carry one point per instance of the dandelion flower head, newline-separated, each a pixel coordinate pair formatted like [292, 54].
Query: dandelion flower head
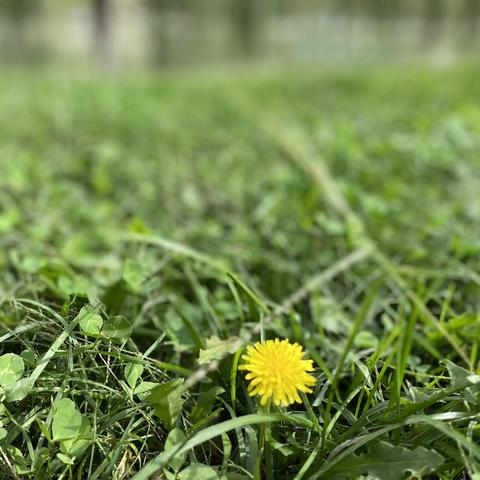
[277, 370]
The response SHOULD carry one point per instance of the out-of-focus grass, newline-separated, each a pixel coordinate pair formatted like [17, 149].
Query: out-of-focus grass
[182, 211]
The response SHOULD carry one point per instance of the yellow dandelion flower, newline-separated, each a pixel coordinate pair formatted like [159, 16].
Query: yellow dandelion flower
[277, 369]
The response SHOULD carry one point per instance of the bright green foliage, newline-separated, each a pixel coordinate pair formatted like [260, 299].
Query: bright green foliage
[67, 421]
[150, 224]
[167, 401]
[18, 390]
[77, 445]
[133, 371]
[117, 328]
[198, 472]
[71, 430]
[18, 461]
[217, 349]
[385, 461]
[90, 321]
[11, 368]
[176, 437]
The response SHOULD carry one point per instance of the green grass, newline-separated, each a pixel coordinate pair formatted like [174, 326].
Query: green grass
[150, 226]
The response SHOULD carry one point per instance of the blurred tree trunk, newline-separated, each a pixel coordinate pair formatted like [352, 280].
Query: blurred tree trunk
[16, 43]
[433, 16]
[379, 9]
[471, 17]
[102, 19]
[382, 13]
[247, 25]
[159, 40]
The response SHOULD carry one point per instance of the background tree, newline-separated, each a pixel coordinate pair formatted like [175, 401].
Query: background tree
[102, 27]
[160, 44]
[470, 15]
[15, 41]
[433, 15]
[247, 25]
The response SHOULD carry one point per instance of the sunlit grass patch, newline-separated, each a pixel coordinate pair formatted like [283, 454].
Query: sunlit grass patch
[151, 229]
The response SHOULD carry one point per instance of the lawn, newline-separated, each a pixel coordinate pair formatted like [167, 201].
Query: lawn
[151, 227]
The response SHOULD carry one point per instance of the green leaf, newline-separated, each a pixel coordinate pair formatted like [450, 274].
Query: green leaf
[117, 328]
[197, 471]
[135, 274]
[14, 392]
[169, 475]
[235, 476]
[365, 339]
[167, 400]
[67, 421]
[461, 378]
[387, 462]
[11, 368]
[29, 357]
[176, 437]
[65, 459]
[44, 429]
[73, 285]
[133, 372]
[16, 457]
[205, 402]
[218, 349]
[90, 321]
[143, 389]
[76, 446]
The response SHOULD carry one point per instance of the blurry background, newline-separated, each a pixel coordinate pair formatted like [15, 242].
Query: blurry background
[126, 33]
